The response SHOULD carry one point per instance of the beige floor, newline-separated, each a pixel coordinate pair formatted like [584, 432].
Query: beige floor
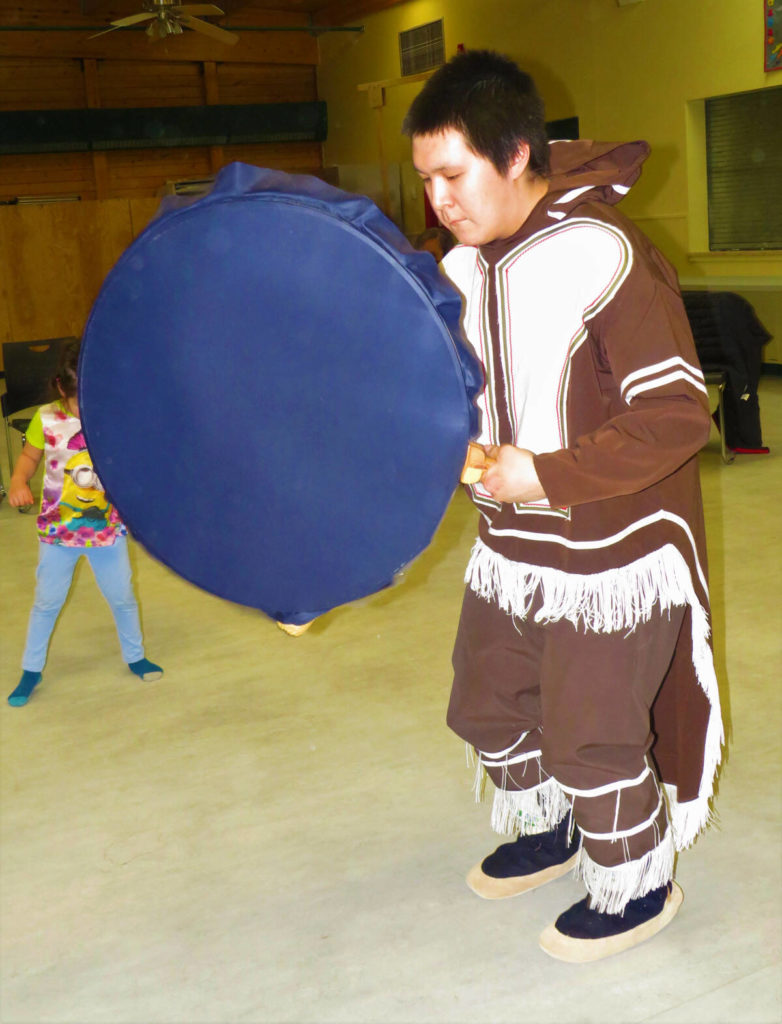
[278, 830]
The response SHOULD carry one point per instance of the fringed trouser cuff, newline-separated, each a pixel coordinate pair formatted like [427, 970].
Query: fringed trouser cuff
[611, 888]
[529, 811]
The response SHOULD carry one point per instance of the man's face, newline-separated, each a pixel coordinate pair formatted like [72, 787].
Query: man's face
[467, 192]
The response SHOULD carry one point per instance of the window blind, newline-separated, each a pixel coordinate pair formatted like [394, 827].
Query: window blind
[744, 169]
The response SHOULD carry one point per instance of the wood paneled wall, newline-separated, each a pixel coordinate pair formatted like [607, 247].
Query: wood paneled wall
[73, 84]
[54, 256]
[51, 84]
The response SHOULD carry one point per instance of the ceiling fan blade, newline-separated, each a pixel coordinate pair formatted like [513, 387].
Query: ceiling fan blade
[133, 19]
[105, 32]
[219, 34]
[199, 9]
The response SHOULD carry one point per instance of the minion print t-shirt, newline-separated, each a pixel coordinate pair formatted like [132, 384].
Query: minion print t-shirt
[74, 508]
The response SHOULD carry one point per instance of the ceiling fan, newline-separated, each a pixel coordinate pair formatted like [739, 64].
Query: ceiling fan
[171, 17]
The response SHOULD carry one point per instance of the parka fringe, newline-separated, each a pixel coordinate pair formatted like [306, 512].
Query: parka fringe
[688, 820]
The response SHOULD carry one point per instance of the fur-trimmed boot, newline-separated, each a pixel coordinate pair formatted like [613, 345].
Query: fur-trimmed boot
[582, 934]
[526, 864]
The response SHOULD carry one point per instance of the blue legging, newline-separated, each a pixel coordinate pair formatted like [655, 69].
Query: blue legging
[111, 567]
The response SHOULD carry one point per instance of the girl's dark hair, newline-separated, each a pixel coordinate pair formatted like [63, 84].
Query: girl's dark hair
[443, 236]
[66, 374]
[491, 101]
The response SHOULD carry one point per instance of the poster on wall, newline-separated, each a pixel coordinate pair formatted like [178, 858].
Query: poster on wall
[772, 34]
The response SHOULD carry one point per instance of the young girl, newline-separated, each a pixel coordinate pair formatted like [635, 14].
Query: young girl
[75, 519]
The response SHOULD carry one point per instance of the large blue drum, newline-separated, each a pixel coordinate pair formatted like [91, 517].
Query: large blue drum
[275, 393]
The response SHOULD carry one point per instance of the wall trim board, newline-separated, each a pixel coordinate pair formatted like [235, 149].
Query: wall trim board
[280, 47]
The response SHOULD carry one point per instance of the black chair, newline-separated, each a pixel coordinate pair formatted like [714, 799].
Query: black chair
[29, 366]
[729, 340]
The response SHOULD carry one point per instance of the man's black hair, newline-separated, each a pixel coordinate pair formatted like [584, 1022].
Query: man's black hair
[491, 101]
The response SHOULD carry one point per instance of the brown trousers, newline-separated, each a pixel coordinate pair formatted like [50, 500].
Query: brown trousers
[547, 701]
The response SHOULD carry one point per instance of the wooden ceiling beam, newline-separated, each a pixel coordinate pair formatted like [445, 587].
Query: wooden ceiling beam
[337, 12]
[65, 12]
[71, 13]
[124, 44]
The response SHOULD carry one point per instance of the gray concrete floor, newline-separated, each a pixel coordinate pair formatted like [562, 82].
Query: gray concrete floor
[278, 829]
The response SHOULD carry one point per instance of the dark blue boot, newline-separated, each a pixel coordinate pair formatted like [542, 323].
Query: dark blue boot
[525, 864]
[582, 934]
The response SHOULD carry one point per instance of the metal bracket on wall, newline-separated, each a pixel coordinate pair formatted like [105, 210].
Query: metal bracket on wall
[376, 94]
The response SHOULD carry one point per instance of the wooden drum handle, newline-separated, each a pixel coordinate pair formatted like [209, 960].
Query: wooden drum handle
[291, 630]
[476, 464]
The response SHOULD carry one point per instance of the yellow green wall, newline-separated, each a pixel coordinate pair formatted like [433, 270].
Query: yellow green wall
[637, 71]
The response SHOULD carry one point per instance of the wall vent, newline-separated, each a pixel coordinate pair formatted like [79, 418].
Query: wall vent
[422, 48]
[190, 187]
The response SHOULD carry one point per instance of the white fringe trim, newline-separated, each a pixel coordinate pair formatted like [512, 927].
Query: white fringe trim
[611, 889]
[604, 602]
[608, 602]
[688, 820]
[479, 782]
[529, 811]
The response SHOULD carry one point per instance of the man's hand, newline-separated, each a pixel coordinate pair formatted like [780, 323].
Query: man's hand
[512, 477]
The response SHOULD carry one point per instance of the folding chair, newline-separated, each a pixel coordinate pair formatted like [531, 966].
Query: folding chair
[29, 366]
[718, 378]
[729, 340]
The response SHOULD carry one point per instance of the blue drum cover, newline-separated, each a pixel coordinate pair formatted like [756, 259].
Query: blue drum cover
[276, 394]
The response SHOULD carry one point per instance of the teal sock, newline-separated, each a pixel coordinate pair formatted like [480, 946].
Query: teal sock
[146, 670]
[27, 684]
